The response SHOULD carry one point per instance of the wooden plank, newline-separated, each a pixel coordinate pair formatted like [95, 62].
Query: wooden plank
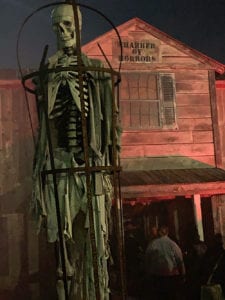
[16, 139]
[167, 162]
[167, 50]
[2, 173]
[5, 84]
[220, 98]
[9, 169]
[181, 60]
[196, 75]
[159, 67]
[194, 124]
[198, 87]
[4, 251]
[6, 104]
[156, 137]
[175, 189]
[192, 99]
[202, 137]
[18, 132]
[188, 150]
[20, 114]
[16, 105]
[7, 134]
[223, 144]
[199, 111]
[15, 236]
[214, 108]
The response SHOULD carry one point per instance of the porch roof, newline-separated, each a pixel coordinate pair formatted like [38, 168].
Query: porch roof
[157, 183]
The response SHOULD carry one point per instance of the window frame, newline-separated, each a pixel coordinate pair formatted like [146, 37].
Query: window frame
[164, 105]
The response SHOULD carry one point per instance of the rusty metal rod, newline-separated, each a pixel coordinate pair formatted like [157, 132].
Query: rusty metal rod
[86, 158]
[52, 163]
[117, 197]
[80, 169]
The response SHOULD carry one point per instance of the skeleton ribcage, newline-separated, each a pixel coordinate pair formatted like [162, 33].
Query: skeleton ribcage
[68, 121]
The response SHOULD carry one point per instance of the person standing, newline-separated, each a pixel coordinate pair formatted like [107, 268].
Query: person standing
[194, 262]
[133, 256]
[165, 268]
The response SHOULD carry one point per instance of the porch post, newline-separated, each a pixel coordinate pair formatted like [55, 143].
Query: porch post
[198, 215]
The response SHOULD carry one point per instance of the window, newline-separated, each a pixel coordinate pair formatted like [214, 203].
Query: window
[147, 101]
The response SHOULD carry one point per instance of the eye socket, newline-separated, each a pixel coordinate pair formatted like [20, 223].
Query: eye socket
[67, 23]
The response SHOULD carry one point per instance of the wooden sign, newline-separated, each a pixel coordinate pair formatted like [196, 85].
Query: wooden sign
[136, 48]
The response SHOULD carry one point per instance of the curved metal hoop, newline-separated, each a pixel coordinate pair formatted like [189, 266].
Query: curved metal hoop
[54, 4]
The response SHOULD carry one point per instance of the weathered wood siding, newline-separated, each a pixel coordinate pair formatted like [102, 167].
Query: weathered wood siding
[220, 96]
[16, 140]
[18, 258]
[194, 134]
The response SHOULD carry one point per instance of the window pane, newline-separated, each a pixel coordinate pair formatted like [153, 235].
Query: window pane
[140, 114]
[142, 105]
[143, 80]
[134, 93]
[150, 114]
[154, 114]
[143, 93]
[133, 80]
[152, 87]
[135, 114]
[145, 114]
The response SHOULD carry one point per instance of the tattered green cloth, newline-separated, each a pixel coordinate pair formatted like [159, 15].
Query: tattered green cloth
[72, 188]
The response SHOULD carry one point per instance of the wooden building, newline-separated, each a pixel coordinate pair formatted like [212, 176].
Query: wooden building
[18, 241]
[173, 129]
[173, 150]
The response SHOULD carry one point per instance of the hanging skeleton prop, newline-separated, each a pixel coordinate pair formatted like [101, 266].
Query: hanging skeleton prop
[81, 152]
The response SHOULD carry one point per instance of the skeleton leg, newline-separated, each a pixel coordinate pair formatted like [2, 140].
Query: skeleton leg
[70, 274]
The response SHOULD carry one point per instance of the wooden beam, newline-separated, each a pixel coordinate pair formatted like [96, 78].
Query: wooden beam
[215, 121]
[160, 190]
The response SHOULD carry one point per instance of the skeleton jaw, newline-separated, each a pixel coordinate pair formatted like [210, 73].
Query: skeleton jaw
[66, 43]
[65, 35]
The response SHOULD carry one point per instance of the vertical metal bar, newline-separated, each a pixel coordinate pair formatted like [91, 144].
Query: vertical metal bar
[86, 157]
[117, 194]
[123, 269]
[61, 244]
[119, 218]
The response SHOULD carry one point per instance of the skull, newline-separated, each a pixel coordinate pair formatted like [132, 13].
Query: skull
[64, 26]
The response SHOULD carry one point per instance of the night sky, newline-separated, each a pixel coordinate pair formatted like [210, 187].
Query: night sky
[197, 23]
